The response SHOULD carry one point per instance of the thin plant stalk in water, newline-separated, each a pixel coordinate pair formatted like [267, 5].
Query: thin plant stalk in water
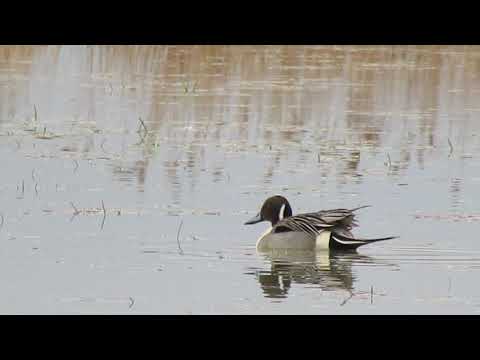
[180, 251]
[104, 215]
[451, 147]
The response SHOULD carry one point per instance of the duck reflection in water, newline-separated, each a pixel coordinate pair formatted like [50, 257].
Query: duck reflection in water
[328, 270]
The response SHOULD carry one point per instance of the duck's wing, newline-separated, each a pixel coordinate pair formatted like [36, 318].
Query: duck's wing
[314, 223]
[343, 218]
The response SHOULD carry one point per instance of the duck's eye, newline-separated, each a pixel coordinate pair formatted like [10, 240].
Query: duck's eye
[281, 214]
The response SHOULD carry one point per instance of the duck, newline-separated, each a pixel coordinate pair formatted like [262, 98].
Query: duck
[321, 230]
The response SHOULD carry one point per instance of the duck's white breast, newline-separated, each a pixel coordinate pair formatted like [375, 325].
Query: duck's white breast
[322, 242]
[293, 240]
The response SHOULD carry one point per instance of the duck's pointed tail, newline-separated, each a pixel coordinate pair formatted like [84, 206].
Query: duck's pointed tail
[345, 242]
[360, 207]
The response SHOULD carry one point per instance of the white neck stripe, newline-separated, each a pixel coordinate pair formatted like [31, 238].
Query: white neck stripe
[281, 213]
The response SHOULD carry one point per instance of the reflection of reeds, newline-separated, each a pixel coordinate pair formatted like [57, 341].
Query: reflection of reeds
[307, 103]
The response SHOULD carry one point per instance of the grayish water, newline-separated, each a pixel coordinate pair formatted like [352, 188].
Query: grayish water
[226, 127]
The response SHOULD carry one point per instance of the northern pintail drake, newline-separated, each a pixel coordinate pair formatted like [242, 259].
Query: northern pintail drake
[322, 230]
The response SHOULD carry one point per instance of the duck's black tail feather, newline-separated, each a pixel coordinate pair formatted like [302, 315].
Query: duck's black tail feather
[345, 242]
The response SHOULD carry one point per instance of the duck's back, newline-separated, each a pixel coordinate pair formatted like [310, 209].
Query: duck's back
[314, 223]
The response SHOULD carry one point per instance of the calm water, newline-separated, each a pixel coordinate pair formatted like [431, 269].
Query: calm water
[102, 212]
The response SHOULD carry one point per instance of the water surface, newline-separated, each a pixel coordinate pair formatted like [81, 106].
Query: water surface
[128, 172]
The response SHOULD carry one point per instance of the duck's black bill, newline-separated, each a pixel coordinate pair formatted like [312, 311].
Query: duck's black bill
[254, 220]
